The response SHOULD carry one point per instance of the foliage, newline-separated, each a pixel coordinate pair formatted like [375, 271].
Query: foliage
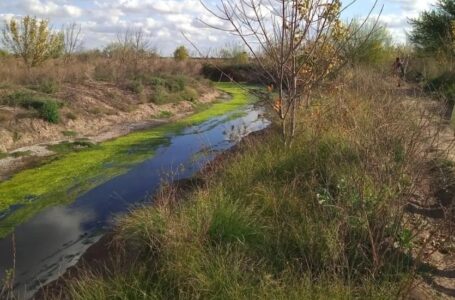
[371, 44]
[135, 86]
[32, 40]
[234, 55]
[433, 31]
[47, 86]
[47, 108]
[3, 53]
[444, 86]
[49, 111]
[181, 53]
[298, 46]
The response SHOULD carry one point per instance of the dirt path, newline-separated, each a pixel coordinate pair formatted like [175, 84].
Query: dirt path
[431, 214]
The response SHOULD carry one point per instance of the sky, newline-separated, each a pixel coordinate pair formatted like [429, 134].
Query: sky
[164, 20]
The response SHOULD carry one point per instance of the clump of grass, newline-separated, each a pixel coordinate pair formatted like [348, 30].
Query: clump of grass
[320, 219]
[20, 154]
[47, 86]
[3, 155]
[165, 114]
[69, 133]
[135, 86]
[71, 116]
[49, 111]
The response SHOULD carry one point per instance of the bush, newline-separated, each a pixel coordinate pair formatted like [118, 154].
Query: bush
[49, 111]
[189, 94]
[181, 53]
[444, 85]
[135, 86]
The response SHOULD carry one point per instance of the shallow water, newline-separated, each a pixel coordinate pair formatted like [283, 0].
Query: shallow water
[55, 238]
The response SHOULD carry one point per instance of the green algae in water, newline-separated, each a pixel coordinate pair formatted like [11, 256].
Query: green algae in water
[63, 180]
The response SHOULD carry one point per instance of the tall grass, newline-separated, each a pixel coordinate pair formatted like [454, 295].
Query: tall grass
[322, 219]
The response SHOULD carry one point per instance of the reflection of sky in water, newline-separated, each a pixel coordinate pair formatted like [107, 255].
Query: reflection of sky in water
[55, 238]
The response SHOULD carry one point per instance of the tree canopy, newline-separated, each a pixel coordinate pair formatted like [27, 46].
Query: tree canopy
[434, 31]
[32, 40]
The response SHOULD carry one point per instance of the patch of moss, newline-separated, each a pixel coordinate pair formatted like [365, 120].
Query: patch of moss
[64, 179]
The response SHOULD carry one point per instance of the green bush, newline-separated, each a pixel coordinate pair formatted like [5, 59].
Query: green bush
[444, 85]
[49, 111]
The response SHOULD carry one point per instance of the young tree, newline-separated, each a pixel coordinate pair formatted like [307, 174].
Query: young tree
[32, 40]
[72, 39]
[296, 42]
[375, 50]
[181, 53]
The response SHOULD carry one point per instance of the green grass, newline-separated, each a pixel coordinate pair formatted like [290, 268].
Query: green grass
[69, 133]
[83, 170]
[165, 114]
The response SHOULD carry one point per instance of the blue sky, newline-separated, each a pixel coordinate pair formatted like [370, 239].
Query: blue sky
[164, 20]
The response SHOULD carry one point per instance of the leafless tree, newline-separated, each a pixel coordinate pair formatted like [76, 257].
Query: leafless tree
[297, 43]
[72, 39]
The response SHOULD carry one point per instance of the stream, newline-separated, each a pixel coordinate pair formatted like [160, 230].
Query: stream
[54, 238]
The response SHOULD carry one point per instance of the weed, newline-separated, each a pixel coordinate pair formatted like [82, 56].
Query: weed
[135, 86]
[49, 111]
[47, 86]
[69, 133]
[165, 114]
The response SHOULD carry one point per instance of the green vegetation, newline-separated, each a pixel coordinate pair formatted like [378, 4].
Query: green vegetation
[181, 53]
[68, 147]
[318, 220]
[32, 40]
[79, 171]
[69, 133]
[46, 86]
[165, 114]
[47, 108]
[433, 32]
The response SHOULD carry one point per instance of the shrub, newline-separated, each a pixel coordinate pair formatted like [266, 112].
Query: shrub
[444, 85]
[181, 53]
[49, 111]
[189, 94]
[47, 86]
[135, 86]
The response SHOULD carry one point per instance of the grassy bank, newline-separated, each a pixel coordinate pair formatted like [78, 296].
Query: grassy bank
[322, 219]
[80, 171]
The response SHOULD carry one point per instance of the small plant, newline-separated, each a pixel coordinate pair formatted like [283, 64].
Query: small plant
[3, 155]
[69, 133]
[165, 114]
[46, 86]
[20, 154]
[49, 111]
[135, 86]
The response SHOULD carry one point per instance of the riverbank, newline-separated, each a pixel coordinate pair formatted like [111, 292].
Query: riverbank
[76, 172]
[106, 129]
[323, 219]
